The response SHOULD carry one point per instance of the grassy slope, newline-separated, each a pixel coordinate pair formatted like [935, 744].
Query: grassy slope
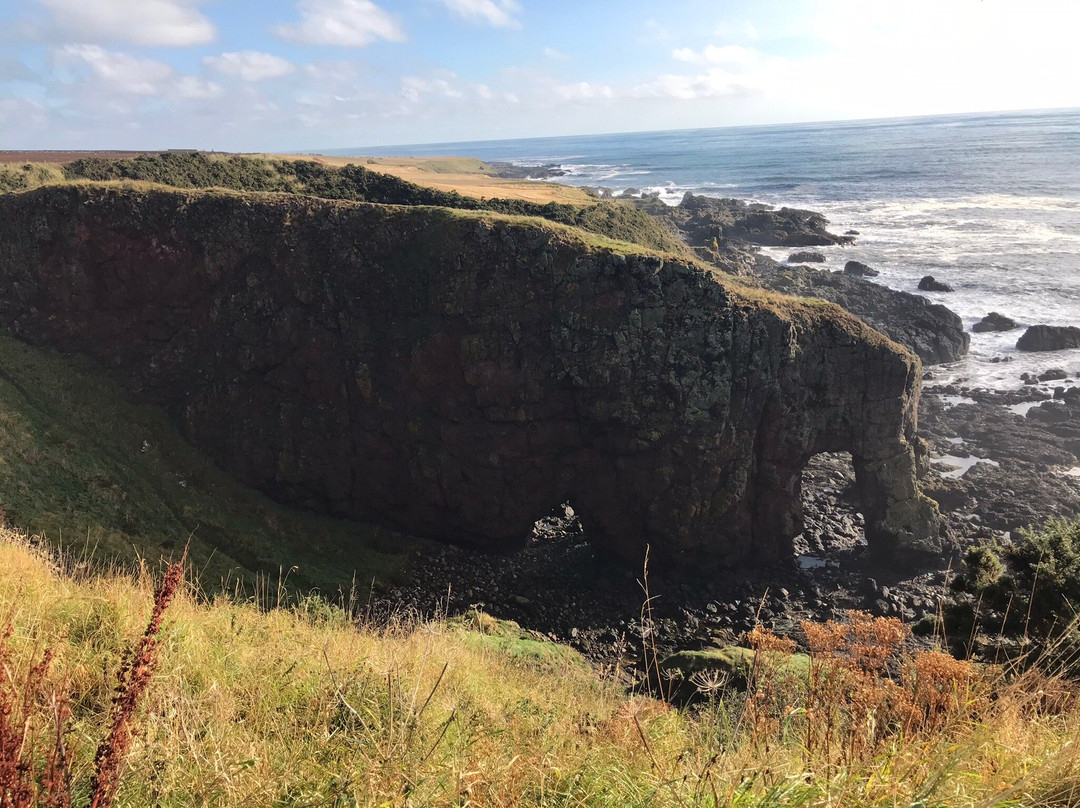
[83, 464]
[298, 707]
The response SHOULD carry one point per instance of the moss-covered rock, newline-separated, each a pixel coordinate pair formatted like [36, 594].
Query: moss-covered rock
[458, 374]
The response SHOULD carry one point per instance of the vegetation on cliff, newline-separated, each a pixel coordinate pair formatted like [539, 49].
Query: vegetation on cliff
[1021, 597]
[304, 705]
[92, 470]
[351, 182]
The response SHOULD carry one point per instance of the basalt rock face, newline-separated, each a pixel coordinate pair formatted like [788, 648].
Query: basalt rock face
[459, 374]
[1049, 338]
[931, 330]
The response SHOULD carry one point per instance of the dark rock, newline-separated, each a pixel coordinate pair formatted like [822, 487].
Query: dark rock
[1052, 375]
[851, 232]
[514, 171]
[806, 257]
[932, 331]
[860, 270]
[929, 284]
[703, 219]
[1049, 338]
[994, 322]
[460, 375]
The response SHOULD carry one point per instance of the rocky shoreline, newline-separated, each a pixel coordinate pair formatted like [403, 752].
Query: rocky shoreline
[1001, 461]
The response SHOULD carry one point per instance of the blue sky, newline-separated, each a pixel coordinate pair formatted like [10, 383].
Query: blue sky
[304, 75]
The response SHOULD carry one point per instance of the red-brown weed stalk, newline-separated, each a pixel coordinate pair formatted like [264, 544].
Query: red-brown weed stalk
[132, 680]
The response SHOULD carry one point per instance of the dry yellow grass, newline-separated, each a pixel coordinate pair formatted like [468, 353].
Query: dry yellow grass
[465, 175]
[303, 706]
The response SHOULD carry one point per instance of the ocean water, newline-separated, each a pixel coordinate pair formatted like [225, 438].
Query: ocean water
[988, 203]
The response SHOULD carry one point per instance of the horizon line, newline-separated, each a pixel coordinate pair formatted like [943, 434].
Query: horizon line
[414, 145]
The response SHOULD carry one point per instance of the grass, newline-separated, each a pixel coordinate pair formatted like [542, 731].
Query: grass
[305, 706]
[86, 467]
[350, 182]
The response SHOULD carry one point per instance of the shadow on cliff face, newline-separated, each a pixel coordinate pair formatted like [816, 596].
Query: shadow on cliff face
[458, 375]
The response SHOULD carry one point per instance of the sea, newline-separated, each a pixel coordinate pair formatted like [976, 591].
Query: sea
[988, 203]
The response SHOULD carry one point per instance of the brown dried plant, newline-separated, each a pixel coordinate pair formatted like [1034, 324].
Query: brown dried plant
[21, 785]
[133, 679]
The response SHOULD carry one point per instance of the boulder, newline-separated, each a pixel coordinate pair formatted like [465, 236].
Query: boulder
[1049, 338]
[859, 270]
[994, 322]
[1053, 375]
[806, 257]
[930, 284]
[458, 375]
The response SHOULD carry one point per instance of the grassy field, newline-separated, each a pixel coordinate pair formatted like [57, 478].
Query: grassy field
[464, 175]
[305, 706]
[467, 176]
[88, 468]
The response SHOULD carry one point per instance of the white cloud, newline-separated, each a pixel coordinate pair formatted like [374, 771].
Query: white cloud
[499, 13]
[713, 54]
[346, 23]
[556, 55]
[414, 88]
[195, 89]
[120, 71]
[141, 22]
[714, 83]
[250, 65]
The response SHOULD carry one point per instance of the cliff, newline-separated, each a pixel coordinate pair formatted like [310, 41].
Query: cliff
[458, 374]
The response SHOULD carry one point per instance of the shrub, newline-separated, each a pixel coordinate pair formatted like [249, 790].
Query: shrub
[1027, 591]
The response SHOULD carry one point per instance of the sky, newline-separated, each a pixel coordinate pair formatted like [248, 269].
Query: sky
[310, 75]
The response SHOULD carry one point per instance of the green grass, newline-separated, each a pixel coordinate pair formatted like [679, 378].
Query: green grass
[358, 184]
[85, 466]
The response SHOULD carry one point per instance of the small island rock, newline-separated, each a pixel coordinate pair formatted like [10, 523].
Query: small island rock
[994, 322]
[860, 270]
[806, 257]
[930, 284]
[1049, 338]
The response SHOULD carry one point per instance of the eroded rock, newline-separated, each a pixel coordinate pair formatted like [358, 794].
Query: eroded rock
[1049, 338]
[459, 375]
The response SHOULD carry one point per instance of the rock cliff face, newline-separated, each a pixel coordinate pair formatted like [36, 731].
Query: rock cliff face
[459, 374]
[932, 331]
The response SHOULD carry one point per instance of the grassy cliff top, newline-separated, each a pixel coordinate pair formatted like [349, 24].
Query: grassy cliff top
[349, 182]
